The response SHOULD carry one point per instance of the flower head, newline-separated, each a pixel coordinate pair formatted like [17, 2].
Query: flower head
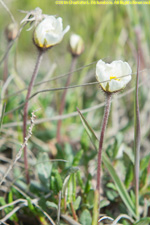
[116, 74]
[49, 32]
[76, 45]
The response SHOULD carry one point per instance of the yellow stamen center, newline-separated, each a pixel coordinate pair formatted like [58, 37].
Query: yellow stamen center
[114, 77]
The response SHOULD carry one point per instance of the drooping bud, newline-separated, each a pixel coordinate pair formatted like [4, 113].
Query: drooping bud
[11, 31]
[76, 45]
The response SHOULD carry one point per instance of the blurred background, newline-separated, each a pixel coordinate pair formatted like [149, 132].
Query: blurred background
[109, 32]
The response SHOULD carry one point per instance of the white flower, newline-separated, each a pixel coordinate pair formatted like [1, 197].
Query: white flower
[114, 74]
[76, 44]
[49, 32]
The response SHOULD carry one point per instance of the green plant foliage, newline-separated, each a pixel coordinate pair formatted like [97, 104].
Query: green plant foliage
[44, 168]
[143, 221]
[56, 182]
[85, 218]
[119, 185]
[76, 203]
[51, 205]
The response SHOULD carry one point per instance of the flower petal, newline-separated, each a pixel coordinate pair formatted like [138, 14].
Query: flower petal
[49, 32]
[111, 72]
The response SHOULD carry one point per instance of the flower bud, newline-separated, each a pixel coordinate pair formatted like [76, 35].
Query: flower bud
[76, 45]
[113, 77]
[11, 31]
[49, 32]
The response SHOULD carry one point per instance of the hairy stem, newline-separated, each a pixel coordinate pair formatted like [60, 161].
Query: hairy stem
[97, 191]
[104, 124]
[137, 144]
[62, 104]
[34, 75]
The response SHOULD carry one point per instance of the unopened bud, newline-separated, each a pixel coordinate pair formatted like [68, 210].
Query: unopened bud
[11, 31]
[76, 45]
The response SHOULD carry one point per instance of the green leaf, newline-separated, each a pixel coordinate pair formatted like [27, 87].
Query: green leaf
[2, 203]
[144, 162]
[119, 185]
[112, 186]
[117, 144]
[44, 167]
[111, 194]
[56, 181]
[80, 180]
[69, 185]
[90, 198]
[77, 158]
[9, 209]
[2, 114]
[85, 218]
[76, 203]
[51, 205]
[30, 205]
[143, 221]
[10, 197]
[85, 141]
[65, 184]
[129, 176]
[89, 130]
[104, 203]
[36, 187]
[88, 185]
[71, 189]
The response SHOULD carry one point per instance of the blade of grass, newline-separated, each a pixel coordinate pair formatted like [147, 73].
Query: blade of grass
[119, 185]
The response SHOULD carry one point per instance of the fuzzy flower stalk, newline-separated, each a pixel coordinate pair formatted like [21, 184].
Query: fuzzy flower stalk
[48, 33]
[112, 78]
[76, 48]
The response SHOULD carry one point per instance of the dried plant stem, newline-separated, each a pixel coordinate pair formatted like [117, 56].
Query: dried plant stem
[34, 75]
[59, 208]
[24, 204]
[5, 73]
[21, 149]
[10, 44]
[73, 212]
[9, 12]
[97, 191]
[62, 104]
